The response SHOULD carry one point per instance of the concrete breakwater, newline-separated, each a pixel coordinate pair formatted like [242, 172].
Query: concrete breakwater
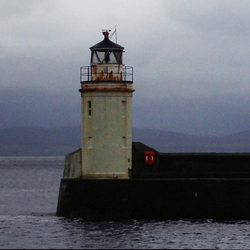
[173, 186]
[155, 199]
[189, 165]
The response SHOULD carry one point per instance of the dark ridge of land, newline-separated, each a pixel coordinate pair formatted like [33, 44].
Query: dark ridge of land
[60, 141]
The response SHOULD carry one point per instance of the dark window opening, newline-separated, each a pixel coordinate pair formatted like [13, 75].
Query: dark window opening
[89, 108]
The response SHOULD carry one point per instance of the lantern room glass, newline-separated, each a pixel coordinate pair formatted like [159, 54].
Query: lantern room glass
[106, 56]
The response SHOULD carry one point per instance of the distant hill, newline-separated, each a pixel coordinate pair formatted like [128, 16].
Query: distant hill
[35, 141]
[170, 142]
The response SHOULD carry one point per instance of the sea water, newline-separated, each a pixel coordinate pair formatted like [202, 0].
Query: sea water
[29, 188]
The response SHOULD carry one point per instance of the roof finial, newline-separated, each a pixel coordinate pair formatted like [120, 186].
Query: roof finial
[106, 33]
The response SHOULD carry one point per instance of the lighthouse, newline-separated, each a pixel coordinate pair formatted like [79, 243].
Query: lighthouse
[98, 178]
[112, 178]
[106, 97]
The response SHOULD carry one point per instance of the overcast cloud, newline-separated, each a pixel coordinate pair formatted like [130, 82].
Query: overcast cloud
[191, 61]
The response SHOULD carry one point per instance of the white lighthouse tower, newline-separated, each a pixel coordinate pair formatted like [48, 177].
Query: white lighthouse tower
[106, 93]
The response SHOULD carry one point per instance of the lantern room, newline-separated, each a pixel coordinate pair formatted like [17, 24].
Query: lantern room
[106, 63]
[106, 52]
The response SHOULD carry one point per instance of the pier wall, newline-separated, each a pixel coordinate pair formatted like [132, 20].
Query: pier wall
[73, 165]
[175, 186]
[189, 165]
[221, 199]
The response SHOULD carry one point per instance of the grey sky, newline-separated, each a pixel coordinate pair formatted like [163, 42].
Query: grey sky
[191, 61]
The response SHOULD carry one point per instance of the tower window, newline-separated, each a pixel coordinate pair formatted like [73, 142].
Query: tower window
[89, 108]
[124, 109]
[90, 142]
[124, 141]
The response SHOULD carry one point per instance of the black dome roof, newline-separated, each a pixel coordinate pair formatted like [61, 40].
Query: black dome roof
[107, 44]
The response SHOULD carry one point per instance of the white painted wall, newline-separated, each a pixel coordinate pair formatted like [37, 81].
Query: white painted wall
[107, 131]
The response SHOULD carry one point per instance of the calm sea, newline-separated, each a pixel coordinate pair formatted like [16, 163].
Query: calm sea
[28, 199]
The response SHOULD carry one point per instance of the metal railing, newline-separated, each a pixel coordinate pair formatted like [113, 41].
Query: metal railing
[106, 73]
